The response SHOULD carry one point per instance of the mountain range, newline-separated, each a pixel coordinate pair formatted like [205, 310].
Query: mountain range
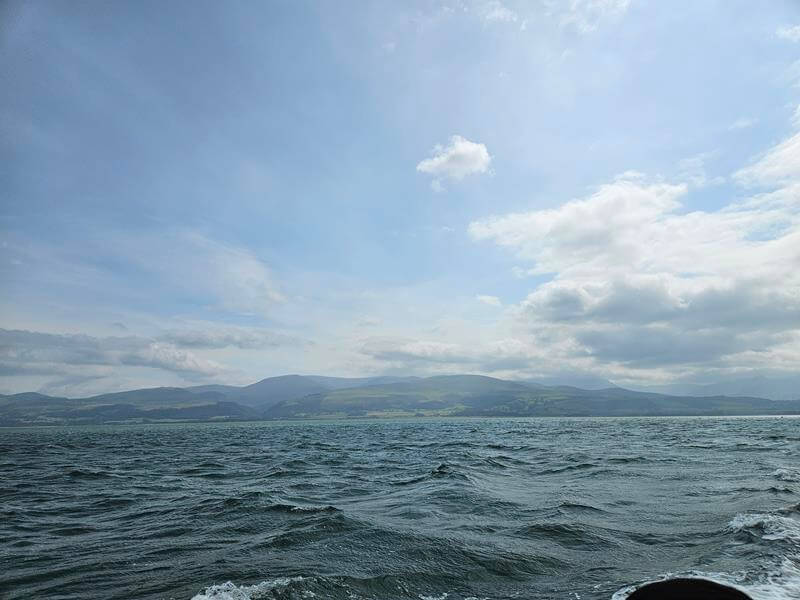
[304, 397]
[775, 388]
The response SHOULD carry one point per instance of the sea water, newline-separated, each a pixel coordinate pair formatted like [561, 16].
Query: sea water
[552, 508]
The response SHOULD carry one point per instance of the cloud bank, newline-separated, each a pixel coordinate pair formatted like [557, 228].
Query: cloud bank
[22, 351]
[636, 282]
[243, 338]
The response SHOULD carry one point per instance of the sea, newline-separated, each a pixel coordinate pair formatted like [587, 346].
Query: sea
[422, 509]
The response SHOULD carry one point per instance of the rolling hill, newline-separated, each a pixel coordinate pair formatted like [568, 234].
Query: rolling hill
[471, 395]
[272, 390]
[774, 388]
[302, 397]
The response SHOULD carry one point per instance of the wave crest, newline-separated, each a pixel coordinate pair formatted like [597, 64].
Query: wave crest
[772, 526]
[231, 591]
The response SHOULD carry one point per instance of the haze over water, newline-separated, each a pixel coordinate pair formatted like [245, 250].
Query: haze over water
[504, 508]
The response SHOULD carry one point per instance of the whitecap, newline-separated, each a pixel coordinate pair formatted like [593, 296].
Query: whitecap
[231, 591]
[786, 474]
[774, 527]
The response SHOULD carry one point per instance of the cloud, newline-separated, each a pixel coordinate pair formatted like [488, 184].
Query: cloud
[743, 123]
[693, 171]
[407, 351]
[495, 11]
[22, 351]
[779, 166]
[455, 161]
[582, 232]
[637, 282]
[585, 16]
[228, 337]
[183, 268]
[234, 278]
[789, 32]
[79, 365]
[505, 356]
[489, 300]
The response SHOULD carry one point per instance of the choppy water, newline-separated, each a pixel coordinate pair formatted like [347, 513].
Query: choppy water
[428, 509]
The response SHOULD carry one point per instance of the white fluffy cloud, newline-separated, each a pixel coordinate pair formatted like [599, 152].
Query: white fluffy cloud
[789, 32]
[583, 233]
[637, 282]
[459, 158]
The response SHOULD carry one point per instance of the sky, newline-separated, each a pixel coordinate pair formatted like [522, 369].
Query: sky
[202, 192]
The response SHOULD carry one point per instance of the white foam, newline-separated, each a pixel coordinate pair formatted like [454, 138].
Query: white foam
[775, 527]
[231, 591]
[780, 584]
[787, 474]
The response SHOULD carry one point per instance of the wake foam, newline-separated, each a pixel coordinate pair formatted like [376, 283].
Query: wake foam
[782, 583]
[779, 583]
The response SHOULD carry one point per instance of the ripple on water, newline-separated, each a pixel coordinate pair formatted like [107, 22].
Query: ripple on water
[501, 509]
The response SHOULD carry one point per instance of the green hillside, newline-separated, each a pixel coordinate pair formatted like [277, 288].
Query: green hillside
[297, 397]
[469, 395]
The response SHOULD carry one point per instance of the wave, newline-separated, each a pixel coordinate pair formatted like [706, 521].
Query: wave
[771, 526]
[578, 507]
[781, 583]
[789, 475]
[505, 461]
[231, 591]
[567, 468]
[568, 535]
[750, 447]
[443, 471]
[624, 460]
[112, 503]
[307, 588]
[293, 508]
[278, 472]
[88, 474]
[495, 462]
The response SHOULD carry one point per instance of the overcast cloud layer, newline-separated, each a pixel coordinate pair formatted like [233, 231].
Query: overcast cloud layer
[604, 188]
